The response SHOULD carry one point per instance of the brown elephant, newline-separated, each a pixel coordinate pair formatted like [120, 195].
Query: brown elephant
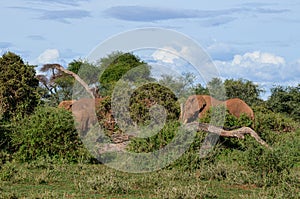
[192, 108]
[237, 107]
[84, 111]
[197, 106]
[66, 104]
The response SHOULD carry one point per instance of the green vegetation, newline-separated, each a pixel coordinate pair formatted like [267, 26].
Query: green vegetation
[48, 132]
[118, 64]
[285, 100]
[56, 86]
[151, 94]
[18, 85]
[41, 155]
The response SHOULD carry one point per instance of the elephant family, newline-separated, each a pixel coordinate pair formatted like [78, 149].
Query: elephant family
[196, 106]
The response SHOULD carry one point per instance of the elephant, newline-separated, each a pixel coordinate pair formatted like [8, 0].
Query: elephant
[192, 108]
[66, 104]
[196, 106]
[237, 107]
[84, 111]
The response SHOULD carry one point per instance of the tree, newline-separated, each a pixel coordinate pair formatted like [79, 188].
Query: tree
[216, 89]
[18, 87]
[59, 82]
[181, 85]
[285, 100]
[149, 95]
[116, 65]
[200, 90]
[243, 89]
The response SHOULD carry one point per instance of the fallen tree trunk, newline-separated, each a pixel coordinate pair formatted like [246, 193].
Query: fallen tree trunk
[236, 133]
[121, 144]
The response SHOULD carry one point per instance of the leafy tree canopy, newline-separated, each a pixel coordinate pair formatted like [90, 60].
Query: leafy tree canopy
[149, 95]
[181, 85]
[216, 89]
[285, 100]
[18, 87]
[243, 89]
[58, 86]
[116, 65]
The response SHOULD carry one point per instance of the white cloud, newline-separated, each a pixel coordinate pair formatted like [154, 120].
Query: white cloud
[257, 57]
[48, 56]
[166, 55]
[255, 66]
[264, 68]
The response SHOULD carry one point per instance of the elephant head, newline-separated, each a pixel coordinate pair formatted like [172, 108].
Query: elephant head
[66, 104]
[210, 102]
[192, 107]
[84, 111]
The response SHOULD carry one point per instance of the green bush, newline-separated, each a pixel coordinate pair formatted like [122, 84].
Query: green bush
[273, 166]
[143, 99]
[157, 141]
[270, 125]
[285, 100]
[48, 132]
[277, 122]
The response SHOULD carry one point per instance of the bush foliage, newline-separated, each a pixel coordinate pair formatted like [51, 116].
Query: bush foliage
[48, 132]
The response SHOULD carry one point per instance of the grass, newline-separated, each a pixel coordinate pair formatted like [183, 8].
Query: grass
[99, 181]
[45, 179]
[234, 169]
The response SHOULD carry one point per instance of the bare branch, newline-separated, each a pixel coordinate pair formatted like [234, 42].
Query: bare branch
[76, 77]
[236, 133]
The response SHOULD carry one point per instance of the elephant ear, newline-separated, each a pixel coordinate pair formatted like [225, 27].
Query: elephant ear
[66, 104]
[193, 106]
[201, 102]
[84, 112]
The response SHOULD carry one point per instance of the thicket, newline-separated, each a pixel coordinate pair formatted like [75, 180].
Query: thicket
[49, 132]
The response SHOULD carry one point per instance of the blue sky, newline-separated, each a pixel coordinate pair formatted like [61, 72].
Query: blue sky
[245, 39]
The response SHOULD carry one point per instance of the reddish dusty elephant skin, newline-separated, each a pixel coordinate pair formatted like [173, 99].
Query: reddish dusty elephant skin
[237, 107]
[83, 111]
[209, 101]
[192, 107]
[197, 106]
[66, 104]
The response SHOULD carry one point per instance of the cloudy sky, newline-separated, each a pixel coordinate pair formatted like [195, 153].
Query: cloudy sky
[245, 39]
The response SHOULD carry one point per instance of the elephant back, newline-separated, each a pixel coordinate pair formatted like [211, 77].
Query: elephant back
[237, 107]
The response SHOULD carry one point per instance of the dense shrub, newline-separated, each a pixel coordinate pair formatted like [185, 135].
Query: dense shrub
[149, 95]
[18, 96]
[48, 132]
[285, 100]
[157, 141]
[273, 165]
[267, 120]
[269, 125]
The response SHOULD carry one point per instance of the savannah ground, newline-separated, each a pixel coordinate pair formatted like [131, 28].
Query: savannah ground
[224, 174]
